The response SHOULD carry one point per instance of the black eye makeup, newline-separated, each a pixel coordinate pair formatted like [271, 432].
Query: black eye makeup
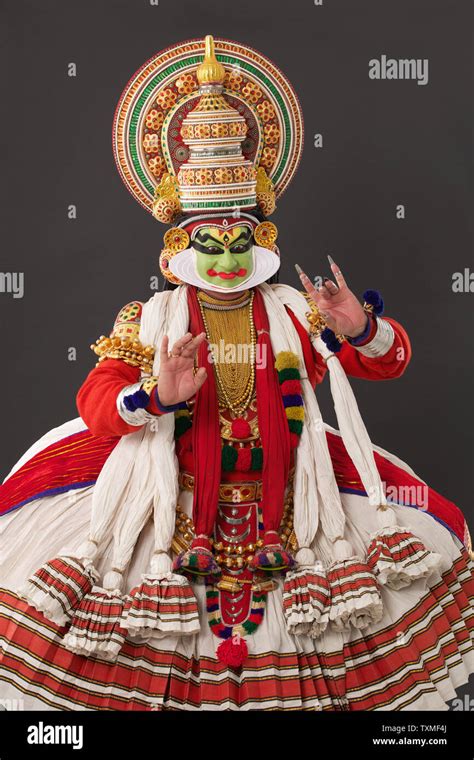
[214, 247]
[241, 246]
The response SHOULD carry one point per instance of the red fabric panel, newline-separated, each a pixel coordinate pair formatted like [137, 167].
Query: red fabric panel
[272, 422]
[206, 441]
[74, 461]
[394, 476]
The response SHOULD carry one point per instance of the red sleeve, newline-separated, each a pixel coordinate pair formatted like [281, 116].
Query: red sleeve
[386, 367]
[152, 406]
[97, 397]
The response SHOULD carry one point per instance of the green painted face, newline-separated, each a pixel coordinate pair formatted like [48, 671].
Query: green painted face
[224, 257]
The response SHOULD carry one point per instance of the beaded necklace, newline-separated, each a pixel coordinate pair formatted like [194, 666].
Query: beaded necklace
[229, 325]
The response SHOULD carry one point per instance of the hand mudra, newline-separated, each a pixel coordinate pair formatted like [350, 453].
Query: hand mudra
[338, 305]
[177, 381]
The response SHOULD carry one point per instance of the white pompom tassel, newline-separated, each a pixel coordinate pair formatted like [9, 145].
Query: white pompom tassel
[112, 581]
[305, 557]
[160, 563]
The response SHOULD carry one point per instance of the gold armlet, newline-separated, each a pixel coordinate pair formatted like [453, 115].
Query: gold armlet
[129, 350]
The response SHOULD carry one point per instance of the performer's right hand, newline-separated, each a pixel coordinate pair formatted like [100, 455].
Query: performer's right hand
[177, 381]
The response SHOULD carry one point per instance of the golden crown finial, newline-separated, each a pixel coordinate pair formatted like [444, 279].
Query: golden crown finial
[210, 71]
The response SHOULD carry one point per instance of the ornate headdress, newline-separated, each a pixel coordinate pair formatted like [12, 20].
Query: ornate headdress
[208, 133]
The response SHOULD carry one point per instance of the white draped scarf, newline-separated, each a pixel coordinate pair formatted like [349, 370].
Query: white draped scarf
[140, 476]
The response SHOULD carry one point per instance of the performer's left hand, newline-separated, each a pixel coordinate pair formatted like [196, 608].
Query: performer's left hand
[339, 307]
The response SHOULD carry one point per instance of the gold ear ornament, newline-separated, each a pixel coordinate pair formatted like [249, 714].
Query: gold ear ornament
[265, 235]
[167, 205]
[175, 240]
[266, 197]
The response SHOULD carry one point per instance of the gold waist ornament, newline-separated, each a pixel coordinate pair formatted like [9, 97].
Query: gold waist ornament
[228, 492]
[233, 492]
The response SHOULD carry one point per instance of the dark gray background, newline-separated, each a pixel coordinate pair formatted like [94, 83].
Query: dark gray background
[385, 143]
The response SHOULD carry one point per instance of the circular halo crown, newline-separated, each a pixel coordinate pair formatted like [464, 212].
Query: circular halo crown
[148, 143]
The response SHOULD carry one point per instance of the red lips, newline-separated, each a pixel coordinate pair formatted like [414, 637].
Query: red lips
[227, 275]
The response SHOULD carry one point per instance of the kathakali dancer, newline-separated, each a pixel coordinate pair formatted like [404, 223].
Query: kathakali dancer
[198, 538]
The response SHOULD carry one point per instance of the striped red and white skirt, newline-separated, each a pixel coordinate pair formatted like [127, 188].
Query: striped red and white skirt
[413, 658]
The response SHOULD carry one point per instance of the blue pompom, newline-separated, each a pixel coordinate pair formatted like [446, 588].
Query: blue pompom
[374, 298]
[138, 400]
[329, 338]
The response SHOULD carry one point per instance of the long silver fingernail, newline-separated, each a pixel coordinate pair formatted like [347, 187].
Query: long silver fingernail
[298, 269]
[330, 259]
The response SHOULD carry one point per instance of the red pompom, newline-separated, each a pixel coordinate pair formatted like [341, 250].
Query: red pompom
[294, 440]
[244, 459]
[290, 387]
[233, 651]
[240, 428]
[185, 441]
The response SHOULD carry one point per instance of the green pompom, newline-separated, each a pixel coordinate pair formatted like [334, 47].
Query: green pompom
[290, 373]
[296, 426]
[257, 458]
[181, 424]
[249, 627]
[229, 458]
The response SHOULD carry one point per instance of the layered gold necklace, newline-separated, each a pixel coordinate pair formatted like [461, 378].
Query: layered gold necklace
[231, 332]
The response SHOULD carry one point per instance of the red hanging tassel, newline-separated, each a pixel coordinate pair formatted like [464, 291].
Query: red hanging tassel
[233, 651]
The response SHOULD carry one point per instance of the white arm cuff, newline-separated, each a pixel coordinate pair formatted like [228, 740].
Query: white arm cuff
[382, 341]
[139, 416]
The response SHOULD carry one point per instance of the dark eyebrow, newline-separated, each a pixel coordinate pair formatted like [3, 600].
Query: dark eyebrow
[246, 233]
[204, 237]
[243, 236]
